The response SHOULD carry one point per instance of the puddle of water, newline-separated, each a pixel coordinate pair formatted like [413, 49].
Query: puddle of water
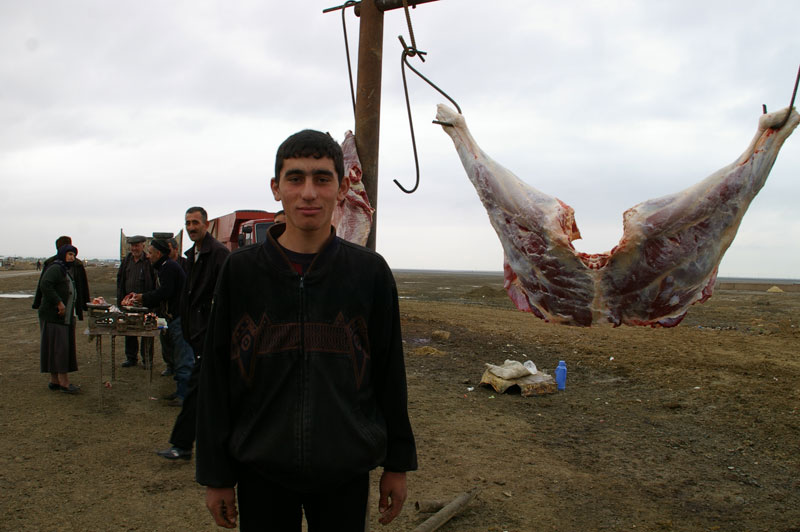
[16, 296]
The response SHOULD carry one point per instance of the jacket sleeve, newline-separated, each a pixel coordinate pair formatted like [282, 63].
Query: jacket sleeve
[389, 375]
[167, 285]
[215, 468]
[37, 297]
[219, 256]
[50, 281]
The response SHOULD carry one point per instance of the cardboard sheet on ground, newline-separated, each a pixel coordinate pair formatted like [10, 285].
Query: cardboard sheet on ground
[513, 373]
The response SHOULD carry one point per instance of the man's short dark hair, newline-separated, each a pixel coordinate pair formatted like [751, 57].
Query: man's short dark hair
[201, 210]
[63, 241]
[310, 143]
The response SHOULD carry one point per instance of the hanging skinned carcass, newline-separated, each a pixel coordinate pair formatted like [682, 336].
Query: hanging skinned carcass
[352, 217]
[667, 257]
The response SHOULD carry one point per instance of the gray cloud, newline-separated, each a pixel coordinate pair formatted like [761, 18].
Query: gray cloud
[603, 105]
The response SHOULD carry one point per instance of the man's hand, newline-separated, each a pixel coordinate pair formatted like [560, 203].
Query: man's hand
[393, 495]
[221, 502]
[61, 308]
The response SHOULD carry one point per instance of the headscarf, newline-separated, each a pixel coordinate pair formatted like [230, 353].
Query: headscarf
[61, 257]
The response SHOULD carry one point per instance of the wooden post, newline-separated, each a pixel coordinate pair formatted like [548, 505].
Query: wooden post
[368, 95]
[368, 103]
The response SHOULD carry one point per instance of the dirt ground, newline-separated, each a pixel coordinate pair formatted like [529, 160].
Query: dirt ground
[691, 428]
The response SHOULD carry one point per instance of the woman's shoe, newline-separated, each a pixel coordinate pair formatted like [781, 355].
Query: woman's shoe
[70, 389]
[54, 386]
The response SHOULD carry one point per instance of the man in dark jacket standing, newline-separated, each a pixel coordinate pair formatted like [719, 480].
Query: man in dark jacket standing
[205, 260]
[167, 348]
[166, 298]
[302, 389]
[135, 275]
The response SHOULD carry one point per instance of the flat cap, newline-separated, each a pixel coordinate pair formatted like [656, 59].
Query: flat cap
[136, 239]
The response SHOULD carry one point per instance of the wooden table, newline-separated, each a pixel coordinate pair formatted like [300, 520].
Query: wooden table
[147, 356]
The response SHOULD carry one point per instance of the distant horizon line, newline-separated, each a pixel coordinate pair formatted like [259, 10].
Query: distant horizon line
[487, 272]
[500, 272]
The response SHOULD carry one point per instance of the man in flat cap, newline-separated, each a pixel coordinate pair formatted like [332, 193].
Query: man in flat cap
[135, 275]
[166, 298]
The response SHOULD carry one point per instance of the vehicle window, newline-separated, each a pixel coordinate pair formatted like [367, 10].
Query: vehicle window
[261, 231]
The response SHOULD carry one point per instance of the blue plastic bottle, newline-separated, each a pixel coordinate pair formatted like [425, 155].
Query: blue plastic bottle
[561, 375]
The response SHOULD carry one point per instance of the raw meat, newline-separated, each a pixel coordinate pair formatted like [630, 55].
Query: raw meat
[666, 260]
[352, 216]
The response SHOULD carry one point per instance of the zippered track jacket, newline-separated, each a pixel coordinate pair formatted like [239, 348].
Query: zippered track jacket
[303, 378]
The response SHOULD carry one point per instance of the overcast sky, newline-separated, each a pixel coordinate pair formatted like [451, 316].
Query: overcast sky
[120, 115]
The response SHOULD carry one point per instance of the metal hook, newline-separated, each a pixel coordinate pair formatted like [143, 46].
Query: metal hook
[404, 60]
[429, 82]
[791, 103]
[408, 51]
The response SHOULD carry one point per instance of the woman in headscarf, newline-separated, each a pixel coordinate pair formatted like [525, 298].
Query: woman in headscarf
[57, 321]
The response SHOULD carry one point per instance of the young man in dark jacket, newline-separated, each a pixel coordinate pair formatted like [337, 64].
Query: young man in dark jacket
[303, 389]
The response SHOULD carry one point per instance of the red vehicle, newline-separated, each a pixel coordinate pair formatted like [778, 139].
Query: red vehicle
[241, 228]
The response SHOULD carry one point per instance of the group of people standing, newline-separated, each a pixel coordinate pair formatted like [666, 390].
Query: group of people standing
[181, 291]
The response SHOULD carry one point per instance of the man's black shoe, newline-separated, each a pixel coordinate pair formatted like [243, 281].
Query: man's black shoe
[128, 363]
[178, 401]
[175, 453]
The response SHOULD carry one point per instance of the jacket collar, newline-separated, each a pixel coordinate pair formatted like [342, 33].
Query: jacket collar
[276, 255]
[204, 247]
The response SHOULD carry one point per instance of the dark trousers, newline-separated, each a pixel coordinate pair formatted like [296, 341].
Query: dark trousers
[264, 506]
[185, 428]
[132, 348]
[167, 350]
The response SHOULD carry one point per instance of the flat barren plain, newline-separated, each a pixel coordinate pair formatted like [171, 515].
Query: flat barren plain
[696, 427]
